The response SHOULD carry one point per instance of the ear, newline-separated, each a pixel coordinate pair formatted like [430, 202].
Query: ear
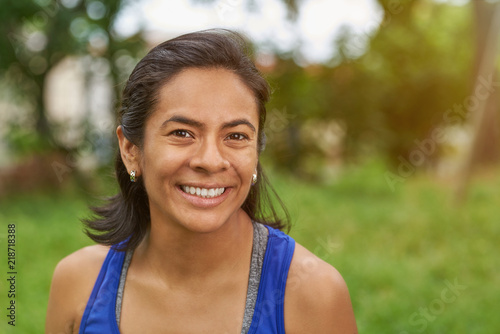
[130, 153]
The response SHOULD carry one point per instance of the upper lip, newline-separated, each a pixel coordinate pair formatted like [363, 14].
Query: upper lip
[206, 185]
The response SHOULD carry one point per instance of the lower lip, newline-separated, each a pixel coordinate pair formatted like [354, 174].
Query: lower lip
[205, 202]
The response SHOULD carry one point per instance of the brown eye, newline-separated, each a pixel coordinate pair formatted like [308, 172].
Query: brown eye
[181, 134]
[237, 136]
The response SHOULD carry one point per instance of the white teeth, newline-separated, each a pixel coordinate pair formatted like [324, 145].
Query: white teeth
[203, 192]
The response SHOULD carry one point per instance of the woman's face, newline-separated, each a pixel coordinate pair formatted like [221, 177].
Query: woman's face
[200, 149]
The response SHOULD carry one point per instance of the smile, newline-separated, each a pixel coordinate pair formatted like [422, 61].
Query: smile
[203, 192]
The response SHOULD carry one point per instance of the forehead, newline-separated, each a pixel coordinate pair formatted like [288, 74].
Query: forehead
[208, 95]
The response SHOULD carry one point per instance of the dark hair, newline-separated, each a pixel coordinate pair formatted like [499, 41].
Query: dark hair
[126, 214]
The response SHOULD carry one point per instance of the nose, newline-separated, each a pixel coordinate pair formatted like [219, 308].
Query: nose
[209, 157]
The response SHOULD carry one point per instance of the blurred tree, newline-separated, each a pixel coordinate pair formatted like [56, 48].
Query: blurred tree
[390, 95]
[483, 149]
[389, 90]
[417, 69]
[37, 34]
[487, 25]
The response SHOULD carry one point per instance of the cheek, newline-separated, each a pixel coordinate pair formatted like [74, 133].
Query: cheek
[160, 161]
[244, 163]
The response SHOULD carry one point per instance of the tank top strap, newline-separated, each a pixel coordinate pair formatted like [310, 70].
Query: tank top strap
[102, 302]
[268, 315]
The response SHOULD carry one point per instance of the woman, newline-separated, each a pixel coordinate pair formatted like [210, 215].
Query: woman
[185, 246]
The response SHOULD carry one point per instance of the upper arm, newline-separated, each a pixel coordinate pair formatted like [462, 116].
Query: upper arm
[316, 297]
[71, 286]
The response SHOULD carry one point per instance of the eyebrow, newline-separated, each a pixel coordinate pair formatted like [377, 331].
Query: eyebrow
[183, 120]
[192, 122]
[237, 122]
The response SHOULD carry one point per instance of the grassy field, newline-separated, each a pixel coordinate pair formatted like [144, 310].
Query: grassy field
[414, 263]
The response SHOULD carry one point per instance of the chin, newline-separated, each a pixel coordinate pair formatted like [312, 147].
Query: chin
[204, 223]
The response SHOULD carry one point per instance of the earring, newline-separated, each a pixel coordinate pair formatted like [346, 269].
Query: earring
[132, 176]
[254, 179]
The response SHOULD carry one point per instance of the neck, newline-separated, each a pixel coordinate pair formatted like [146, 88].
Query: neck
[177, 255]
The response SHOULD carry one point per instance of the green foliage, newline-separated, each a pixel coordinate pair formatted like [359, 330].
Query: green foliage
[377, 99]
[24, 142]
[422, 70]
[37, 34]
[416, 67]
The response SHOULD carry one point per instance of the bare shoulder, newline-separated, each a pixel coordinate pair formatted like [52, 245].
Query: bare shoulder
[316, 297]
[72, 284]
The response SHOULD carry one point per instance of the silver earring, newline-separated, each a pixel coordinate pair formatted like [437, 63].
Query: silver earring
[132, 176]
[254, 179]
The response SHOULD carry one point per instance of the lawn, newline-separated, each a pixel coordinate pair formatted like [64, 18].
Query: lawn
[413, 261]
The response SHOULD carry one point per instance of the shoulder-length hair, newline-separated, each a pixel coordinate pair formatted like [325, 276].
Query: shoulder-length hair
[126, 215]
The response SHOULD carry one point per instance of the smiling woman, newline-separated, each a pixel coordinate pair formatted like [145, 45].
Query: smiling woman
[187, 246]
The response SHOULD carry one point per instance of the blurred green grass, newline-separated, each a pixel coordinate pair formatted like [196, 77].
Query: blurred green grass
[396, 250]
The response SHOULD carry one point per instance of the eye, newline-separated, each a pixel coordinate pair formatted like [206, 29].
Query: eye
[237, 136]
[181, 133]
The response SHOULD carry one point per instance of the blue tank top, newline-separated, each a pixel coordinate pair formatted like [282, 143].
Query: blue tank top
[268, 316]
